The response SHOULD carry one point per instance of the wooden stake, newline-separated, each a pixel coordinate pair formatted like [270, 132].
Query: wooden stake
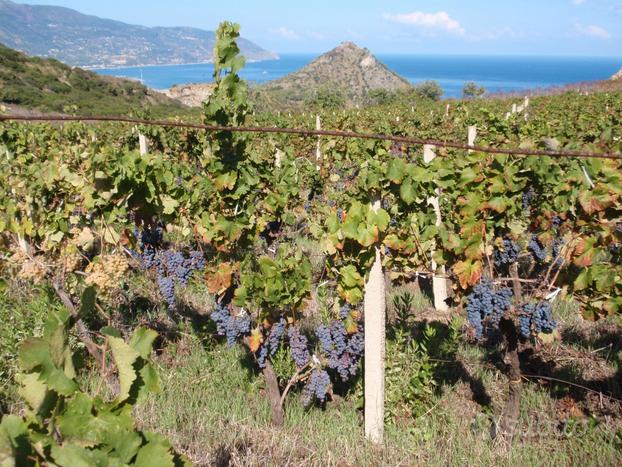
[440, 285]
[375, 308]
[318, 148]
[143, 143]
[471, 135]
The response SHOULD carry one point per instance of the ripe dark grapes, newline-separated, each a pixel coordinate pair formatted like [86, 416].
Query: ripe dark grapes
[537, 250]
[230, 326]
[272, 342]
[298, 345]
[486, 303]
[528, 196]
[317, 387]
[536, 318]
[342, 351]
[507, 255]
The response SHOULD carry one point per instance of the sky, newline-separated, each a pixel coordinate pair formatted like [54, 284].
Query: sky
[462, 27]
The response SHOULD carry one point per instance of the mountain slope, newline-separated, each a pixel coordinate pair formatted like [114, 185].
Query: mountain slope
[617, 76]
[49, 85]
[348, 68]
[82, 40]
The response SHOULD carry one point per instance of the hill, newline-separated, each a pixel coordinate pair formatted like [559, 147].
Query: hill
[348, 69]
[617, 76]
[52, 86]
[83, 40]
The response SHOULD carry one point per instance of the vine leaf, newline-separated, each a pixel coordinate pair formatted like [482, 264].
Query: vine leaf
[255, 340]
[124, 357]
[469, 272]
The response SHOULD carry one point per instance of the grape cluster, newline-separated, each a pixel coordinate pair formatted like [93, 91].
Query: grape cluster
[317, 387]
[528, 196]
[172, 267]
[501, 302]
[150, 237]
[536, 317]
[343, 351]
[167, 289]
[107, 274]
[344, 311]
[558, 243]
[230, 326]
[507, 255]
[272, 342]
[298, 345]
[484, 302]
[524, 326]
[537, 250]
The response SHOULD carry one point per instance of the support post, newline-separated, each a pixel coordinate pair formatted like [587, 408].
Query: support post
[471, 135]
[440, 285]
[318, 147]
[375, 309]
[143, 144]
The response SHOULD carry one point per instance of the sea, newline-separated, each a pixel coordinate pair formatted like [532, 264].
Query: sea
[498, 74]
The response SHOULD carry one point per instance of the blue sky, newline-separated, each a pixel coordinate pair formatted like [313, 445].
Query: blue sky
[518, 27]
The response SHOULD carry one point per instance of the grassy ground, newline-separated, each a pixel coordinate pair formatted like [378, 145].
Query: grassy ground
[443, 393]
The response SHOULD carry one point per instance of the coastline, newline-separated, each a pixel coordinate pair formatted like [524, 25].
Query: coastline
[153, 65]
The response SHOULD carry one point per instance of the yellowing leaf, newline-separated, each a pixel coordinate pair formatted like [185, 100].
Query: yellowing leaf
[255, 340]
[469, 272]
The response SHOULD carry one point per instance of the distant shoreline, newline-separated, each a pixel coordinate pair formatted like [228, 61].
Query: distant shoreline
[209, 62]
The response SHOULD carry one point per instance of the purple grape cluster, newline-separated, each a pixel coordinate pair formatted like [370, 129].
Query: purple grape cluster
[176, 266]
[507, 255]
[536, 317]
[501, 303]
[272, 342]
[524, 326]
[171, 266]
[537, 250]
[486, 303]
[230, 326]
[150, 237]
[558, 243]
[316, 388]
[298, 344]
[479, 306]
[167, 289]
[343, 351]
[528, 197]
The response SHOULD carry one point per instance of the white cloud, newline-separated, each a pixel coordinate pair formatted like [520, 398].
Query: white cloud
[593, 31]
[286, 33]
[439, 20]
[578, 2]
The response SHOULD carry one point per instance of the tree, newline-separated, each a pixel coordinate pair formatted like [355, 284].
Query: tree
[326, 98]
[429, 90]
[471, 90]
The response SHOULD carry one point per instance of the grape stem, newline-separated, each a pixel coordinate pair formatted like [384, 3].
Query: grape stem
[293, 380]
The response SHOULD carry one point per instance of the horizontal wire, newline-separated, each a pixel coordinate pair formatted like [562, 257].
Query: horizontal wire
[310, 133]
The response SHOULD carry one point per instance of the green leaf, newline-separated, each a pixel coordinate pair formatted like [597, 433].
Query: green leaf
[72, 455]
[34, 392]
[87, 302]
[350, 277]
[408, 192]
[124, 358]
[154, 455]
[169, 204]
[142, 341]
[34, 355]
[396, 170]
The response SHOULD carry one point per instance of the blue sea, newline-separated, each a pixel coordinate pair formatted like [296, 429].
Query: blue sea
[495, 73]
